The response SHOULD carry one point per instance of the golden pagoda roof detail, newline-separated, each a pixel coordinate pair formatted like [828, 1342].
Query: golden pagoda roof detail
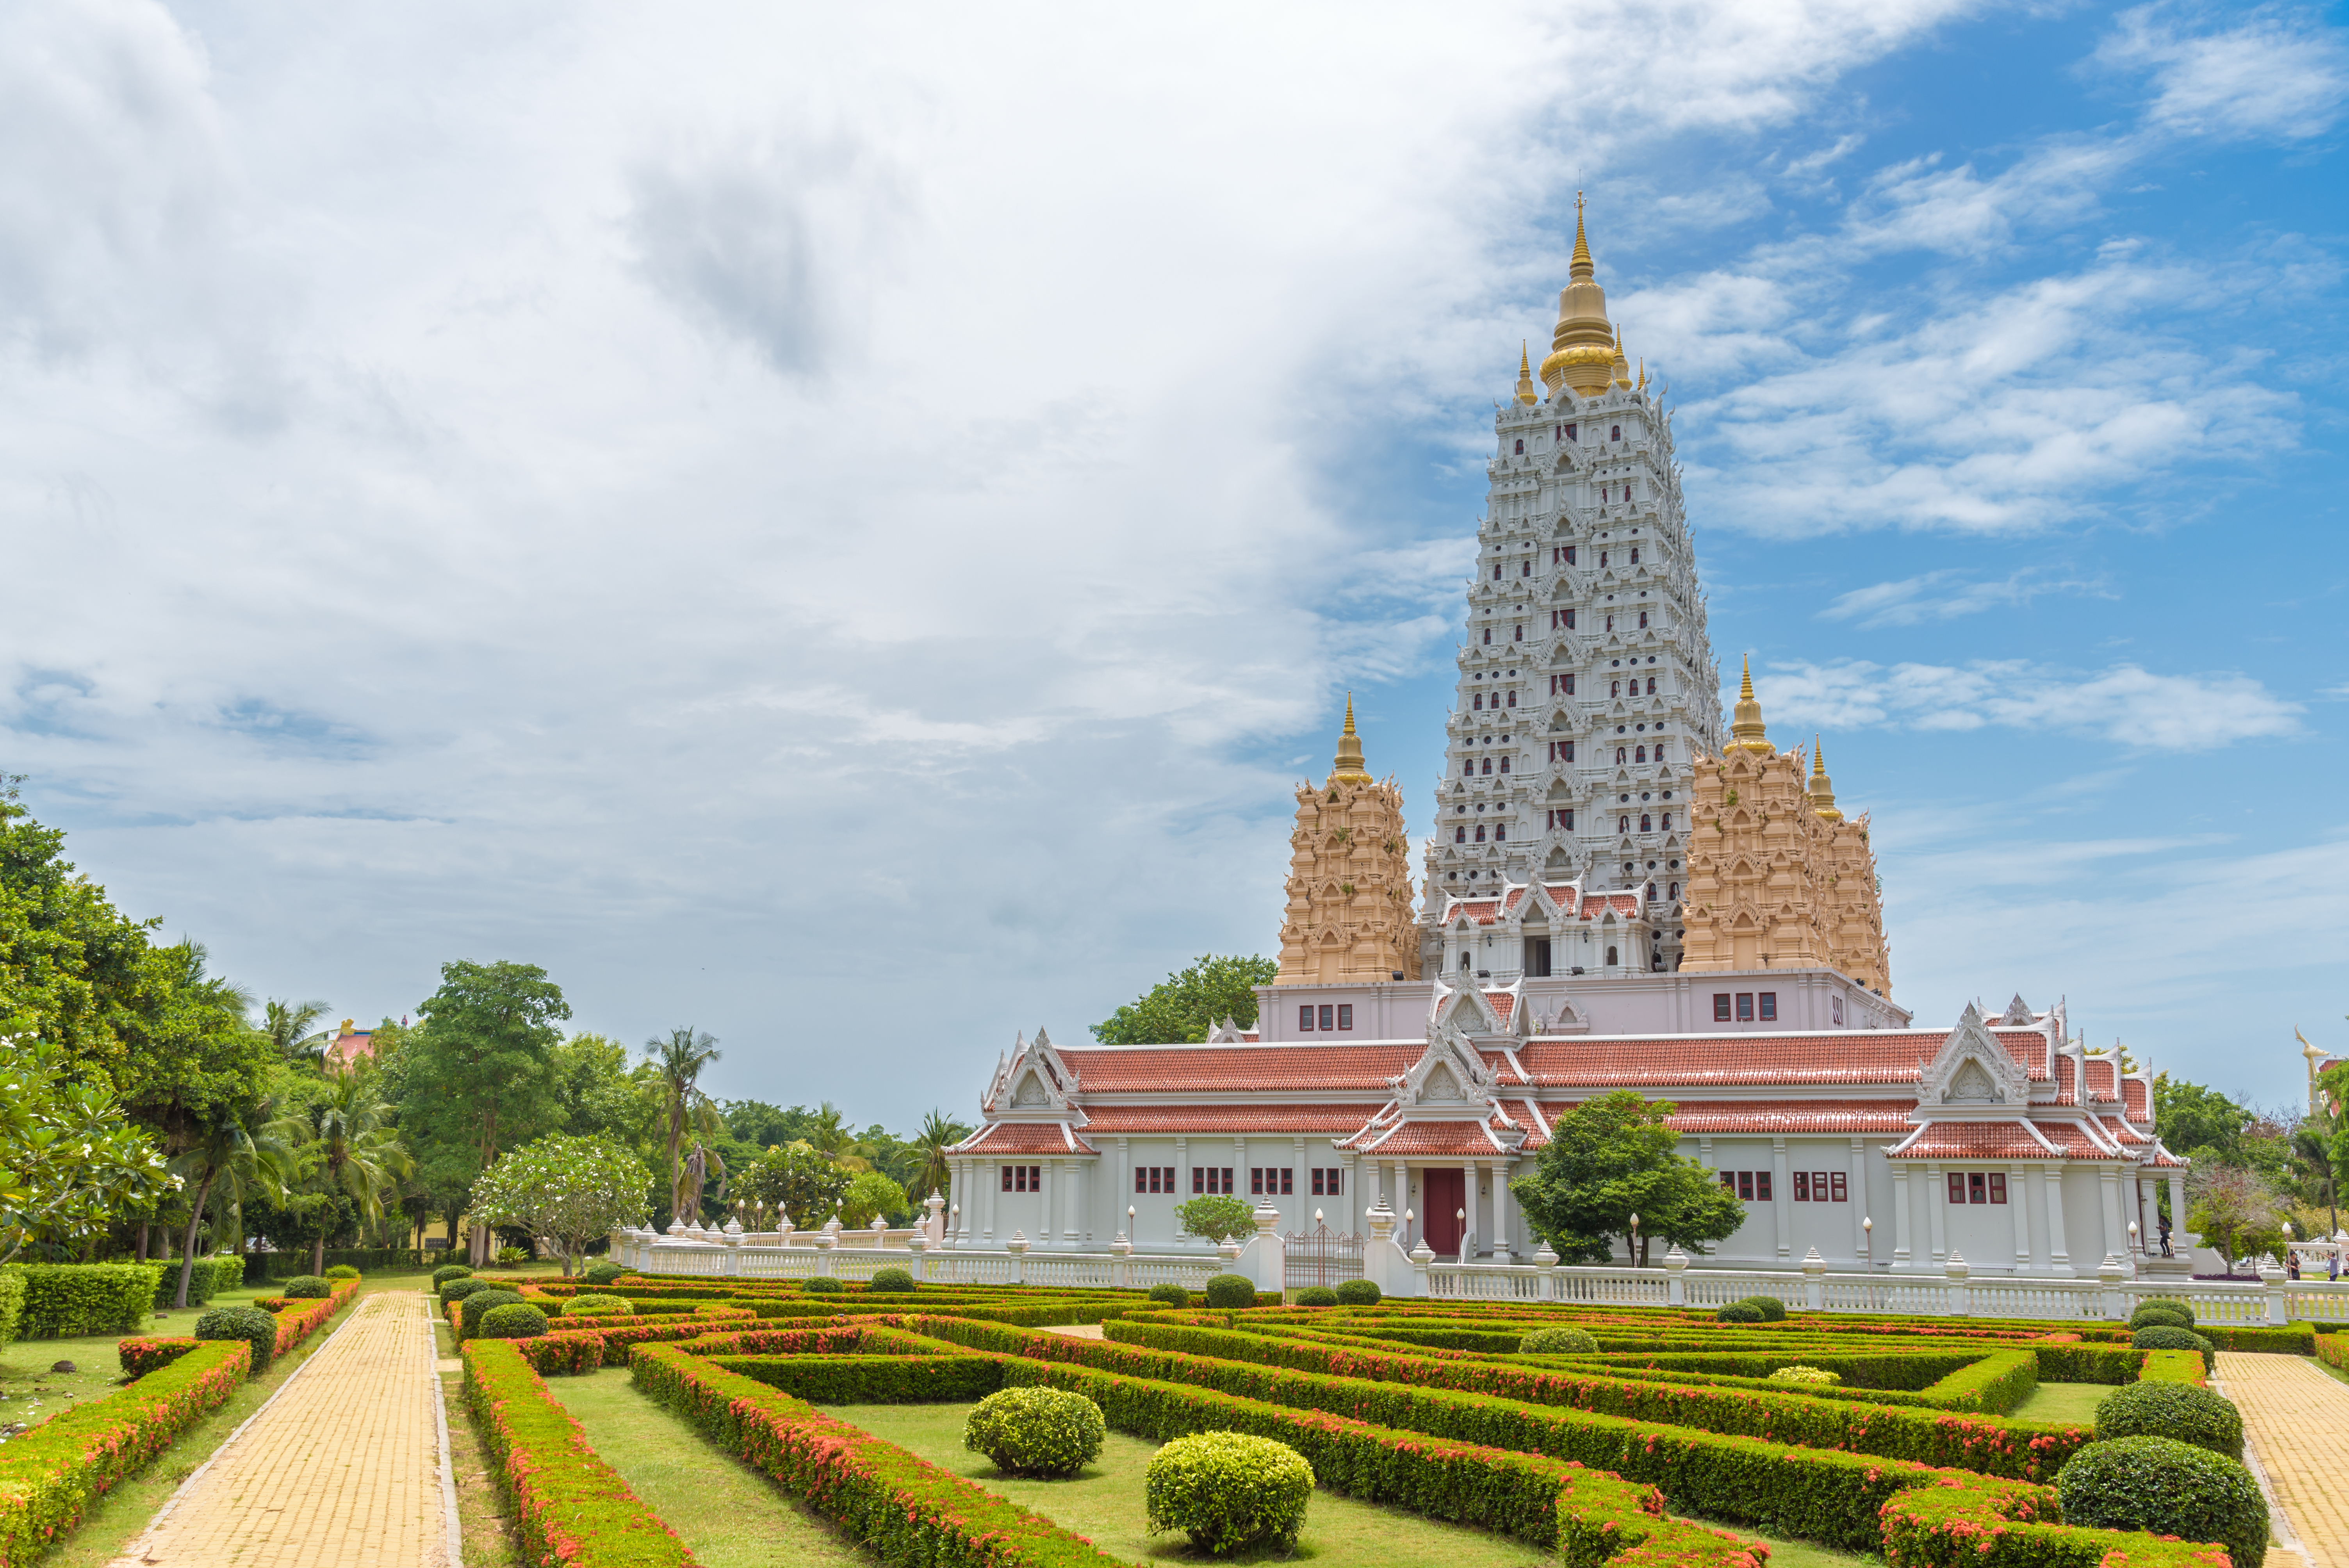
[1527, 393]
[1583, 350]
[1745, 726]
[1348, 767]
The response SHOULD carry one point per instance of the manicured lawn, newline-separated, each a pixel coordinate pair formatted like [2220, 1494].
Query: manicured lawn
[1104, 1503]
[2064, 1402]
[728, 1513]
[121, 1514]
[1785, 1554]
[30, 1393]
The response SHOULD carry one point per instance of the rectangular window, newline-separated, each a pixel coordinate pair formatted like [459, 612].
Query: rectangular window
[1569, 561]
[1153, 1178]
[1998, 1189]
[1023, 1178]
[1801, 1186]
[1272, 1181]
[1720, 1007]
[1211, 1179]
[1838, 1179]
[1745, 1007]
[1977, 1188]
[1329, 1020]
[1729, 1180]
[1761, 1186]
[1957, 1187]
[1569, 686]
[1345, 1014]
[1745, 1185]
[1818, 1186]
[1769, 1006]
[1305, 1019]
[1329, 1180]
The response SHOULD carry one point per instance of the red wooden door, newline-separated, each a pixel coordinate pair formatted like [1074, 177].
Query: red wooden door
[1445, 1193]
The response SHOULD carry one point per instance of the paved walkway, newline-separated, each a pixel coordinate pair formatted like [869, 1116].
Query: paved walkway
[340, 1470]
[2298, 1423]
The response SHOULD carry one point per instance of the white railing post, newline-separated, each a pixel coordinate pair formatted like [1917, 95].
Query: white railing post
[2109, 1275]
[1018, 1247]
[2279, 1309]
[1421, 1256]
[1814, 1281]
[1676, 1264]
[1954, 1271]
[1546, 1260]
[1123, 1249]
[918, 1246]
[825, 1241]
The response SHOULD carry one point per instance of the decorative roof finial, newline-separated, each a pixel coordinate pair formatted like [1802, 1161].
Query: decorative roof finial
[1822, 789]
[1348, 767]
[1746, 726]
[1622, 367]
[1581, 269]
[1527, 393]
[1582, 350]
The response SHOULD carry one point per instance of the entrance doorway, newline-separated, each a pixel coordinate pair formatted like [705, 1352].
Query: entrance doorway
[1445, 1194]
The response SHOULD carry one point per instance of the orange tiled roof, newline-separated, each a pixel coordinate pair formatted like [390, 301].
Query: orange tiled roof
[1974, 1141]
[1026, 1137]
[2100, 1079]
[1228, 1069]
[1503, 1001]
[1152, 1119]
[1790, 1116]
[2133, 1099]
[1424, 1139]
[2065, 1093]
[1758, 1059]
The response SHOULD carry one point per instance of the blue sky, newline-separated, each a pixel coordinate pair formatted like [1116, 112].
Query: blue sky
[843, 530]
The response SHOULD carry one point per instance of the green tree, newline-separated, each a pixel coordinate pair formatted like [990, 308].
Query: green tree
[70, 1162]
[1610, 1157]
[599, 1096]
[479, 1072]
[2234, 1211]
[347, 1146]
[567, 1190]
[74, 971]
[1188, 1002]
[829, 1136]
[1219, 1217]
[677, 1062]
[289, 1026]
[238, 1159]
[927, 1167]
[763, 1126]
[794, 1179]
[870, 1195]
[2201, 1124]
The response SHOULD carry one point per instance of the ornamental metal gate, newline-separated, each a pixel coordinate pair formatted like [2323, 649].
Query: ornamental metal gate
[1319, 1256]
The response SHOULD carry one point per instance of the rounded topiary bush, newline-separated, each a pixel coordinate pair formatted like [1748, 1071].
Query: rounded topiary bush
[342, 1271]
[1772, 1309]
[1227, 1490]
[511, 1320]
[589, 1306]
[307, 1287]
[1806, 1375]
[460, 1287]
[2168, 1488]
[1228, 1291]
[247, 1323]
[1559, 1341]
[1317, 1295]
[448, 1272]
[821, 1284]
[2162, 1309]
[1036, 1431]
[603, 1272]
[1358, 1293]
[1739, 1312]
[2163, 1337]
[478, 1304]
[1171, 1293]
[892, 1282]
[2178, 1410]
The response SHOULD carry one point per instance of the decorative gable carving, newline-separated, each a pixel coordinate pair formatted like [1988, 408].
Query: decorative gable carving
[1971, 1069]
[1449, 1073]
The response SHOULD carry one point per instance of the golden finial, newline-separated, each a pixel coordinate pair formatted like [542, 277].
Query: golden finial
[1348, 769]
[1746, 724]
[1822, 789]
[1622, 368]
[1643, 372]
[1527, 393]
[1581, 267]
[1582, 350]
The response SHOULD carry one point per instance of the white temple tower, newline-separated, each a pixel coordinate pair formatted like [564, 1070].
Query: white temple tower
[1587, 683]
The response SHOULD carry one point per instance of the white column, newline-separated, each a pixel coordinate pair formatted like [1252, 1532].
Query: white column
[2014, 1175]
[1504, 1219]
[1080, 1174]
[1782, 1195]
[2147, 1215]
[1468, 1206]
[1044, 1231]
[1239, 1171]
[1123, 1195]
[1898, 1218]
[1937, 1197]
[2050, 1181]
[989, 1178]
[1410, 1232]
[1299, 1208]
[2177, 1210]
[2108, 1187]
[1182, 1172]
[1859, 1208]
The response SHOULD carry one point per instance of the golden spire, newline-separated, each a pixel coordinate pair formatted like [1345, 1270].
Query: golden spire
[1582, 350]
[1527, 393]
[1348, 769]
[1643, 372]
[1622, 367]
[1822, 790]
[1746, 726]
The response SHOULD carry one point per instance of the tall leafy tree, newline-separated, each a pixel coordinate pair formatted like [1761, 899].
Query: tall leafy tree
[70, 1162]
[1188, 1002]
[568, 1190]
[348, 1147]
[2198, 1122]
[928, 1169]
[794, 1178]
[235, 1155]
[1610, 1157]
[680, 1060]
[479, 1074]
[291, 1027]
[74, 971]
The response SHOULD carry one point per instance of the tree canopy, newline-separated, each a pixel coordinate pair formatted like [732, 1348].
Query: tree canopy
[1610, 1157]
[1188, 1002]
[569, 1190]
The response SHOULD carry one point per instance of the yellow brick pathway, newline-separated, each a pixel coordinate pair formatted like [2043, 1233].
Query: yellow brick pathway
[2298, 1423]
[342, 1469]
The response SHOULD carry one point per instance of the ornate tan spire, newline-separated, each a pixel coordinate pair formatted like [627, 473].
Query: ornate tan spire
[1745, 725]
[1582, 350]
[1822, 789]
[1622, 366]
[1348, 769]
[1527, 393]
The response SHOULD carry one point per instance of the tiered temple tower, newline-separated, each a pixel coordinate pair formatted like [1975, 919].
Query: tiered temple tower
[1587, 685]
[1349, 917]
[1778, 878]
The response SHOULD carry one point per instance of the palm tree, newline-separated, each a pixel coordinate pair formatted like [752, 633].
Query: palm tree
[679, 1061]
[830, 1136]
[351, 1145]
[288, 1027]
[227, 1154]
[934, 1171]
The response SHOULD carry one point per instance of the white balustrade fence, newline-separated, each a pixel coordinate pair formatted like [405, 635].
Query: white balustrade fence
[848, 1254]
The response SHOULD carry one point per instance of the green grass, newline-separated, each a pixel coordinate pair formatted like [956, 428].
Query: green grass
[113, 1518]
[730, 1515]
[1104, 1503]
[2064, 1402]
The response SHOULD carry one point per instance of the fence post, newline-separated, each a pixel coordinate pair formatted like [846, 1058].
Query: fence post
[2279, 1308]
[1421, 1256]
[1546, 1260]
[1018, 1247]
[918, 1244]
[2109, 1273]
[1814, 1281]
[1954, 1271]
[1675, 1276]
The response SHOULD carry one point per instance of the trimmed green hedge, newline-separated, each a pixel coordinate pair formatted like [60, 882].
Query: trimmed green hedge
[514, 1320]
[571, 1509]
[1037, 1432]
[1228, 1491]
[207, 1277]
[11, 1304]
[137, 1357]
[476, 1306]
[65, 1301]
[2170, 1487]
[2188, 1414]
[48, 1476]
[250, 1324]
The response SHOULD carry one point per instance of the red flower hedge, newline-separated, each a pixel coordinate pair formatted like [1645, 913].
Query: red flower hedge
[48, 1476]
[571, 1509]
[141, 1356]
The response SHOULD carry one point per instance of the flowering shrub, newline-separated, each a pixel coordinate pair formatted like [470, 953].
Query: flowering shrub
[296, 1321]
[514, 1320]
[137, 1357]
[1227, 1490]
[48, 1476]
[1804, 1374]
[1036, 1431]
[598, 1306]
[1557, 1342]
[249, 1324]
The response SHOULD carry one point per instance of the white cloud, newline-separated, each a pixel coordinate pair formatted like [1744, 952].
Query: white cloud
[2279, 73]
[2126, 704]
[1945, 595]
